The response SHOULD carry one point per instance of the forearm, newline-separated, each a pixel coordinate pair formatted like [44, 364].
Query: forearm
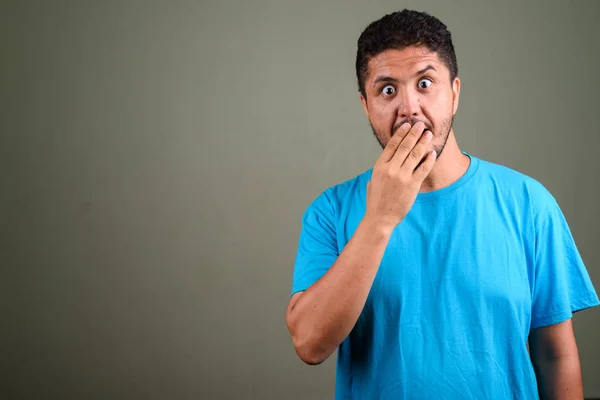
[560, 378]
[326, 312]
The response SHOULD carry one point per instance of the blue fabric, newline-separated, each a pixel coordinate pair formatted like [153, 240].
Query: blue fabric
[465, 276]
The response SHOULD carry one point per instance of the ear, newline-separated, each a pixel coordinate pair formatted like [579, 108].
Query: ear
[363, 100]
[455, 94]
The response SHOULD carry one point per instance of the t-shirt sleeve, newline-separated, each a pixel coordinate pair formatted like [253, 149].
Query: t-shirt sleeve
[317, 245]
[562, 284]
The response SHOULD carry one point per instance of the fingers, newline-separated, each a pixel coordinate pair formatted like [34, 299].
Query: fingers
[425, 168]
[418, 152]
[409, 148]
[392, 146]
[405, 148]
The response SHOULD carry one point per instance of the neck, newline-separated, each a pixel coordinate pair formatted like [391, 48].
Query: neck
[448, 168]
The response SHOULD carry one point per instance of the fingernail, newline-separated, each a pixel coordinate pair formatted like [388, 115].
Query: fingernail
[428, 135]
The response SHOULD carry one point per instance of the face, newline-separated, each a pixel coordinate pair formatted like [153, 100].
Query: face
[410, 85]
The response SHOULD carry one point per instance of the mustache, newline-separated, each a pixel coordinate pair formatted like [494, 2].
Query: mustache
[412, 122]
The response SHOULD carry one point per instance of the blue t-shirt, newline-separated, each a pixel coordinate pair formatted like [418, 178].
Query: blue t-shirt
[465, 276]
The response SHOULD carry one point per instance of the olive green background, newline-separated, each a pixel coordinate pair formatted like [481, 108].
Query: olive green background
[157, 156]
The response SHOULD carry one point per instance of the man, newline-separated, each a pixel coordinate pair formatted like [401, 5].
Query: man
[433, 271]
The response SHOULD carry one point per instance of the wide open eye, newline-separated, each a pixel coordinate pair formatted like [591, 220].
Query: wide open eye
[388, 90]
[424, 83]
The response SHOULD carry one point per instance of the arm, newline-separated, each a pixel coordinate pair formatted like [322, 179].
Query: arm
[556, 361]
[321, 317]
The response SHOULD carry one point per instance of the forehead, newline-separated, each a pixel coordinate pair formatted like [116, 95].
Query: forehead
[394, 62]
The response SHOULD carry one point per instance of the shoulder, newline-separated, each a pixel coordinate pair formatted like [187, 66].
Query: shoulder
[514, 184]
[334, 198]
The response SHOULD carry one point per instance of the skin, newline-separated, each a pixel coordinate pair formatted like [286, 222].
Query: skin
[408, 93]
[556, 361]
[395, 94]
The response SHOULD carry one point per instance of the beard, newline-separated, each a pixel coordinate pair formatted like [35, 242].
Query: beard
[443, 133]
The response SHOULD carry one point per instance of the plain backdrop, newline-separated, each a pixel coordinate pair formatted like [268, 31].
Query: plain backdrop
[157, 156]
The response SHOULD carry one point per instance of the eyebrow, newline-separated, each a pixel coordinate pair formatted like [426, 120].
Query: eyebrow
[383, 78]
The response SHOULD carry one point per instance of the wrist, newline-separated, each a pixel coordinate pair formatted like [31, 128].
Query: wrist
[377, 227]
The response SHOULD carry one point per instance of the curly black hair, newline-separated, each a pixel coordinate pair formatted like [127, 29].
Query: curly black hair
[399, 30]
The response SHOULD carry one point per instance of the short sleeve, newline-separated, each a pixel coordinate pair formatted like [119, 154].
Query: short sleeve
[562, 284]
[317, 245]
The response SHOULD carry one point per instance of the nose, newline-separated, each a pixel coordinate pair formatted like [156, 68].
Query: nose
[409, 105]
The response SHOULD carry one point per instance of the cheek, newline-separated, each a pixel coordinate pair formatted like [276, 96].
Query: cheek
[441, 110]
[384, 113]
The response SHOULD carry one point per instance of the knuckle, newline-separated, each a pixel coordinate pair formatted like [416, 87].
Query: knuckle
[381, 173]
[415, 153]
[403, 147]
[414, 133]
[392, 145]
